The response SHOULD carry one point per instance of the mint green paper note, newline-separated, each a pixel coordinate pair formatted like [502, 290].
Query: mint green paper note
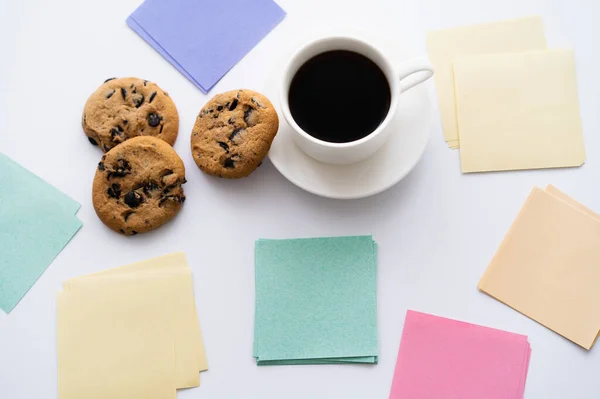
[36, 222]
[316, 301]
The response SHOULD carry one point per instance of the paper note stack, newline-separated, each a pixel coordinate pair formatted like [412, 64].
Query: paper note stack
[548, 266]
[507, 101]
[444, 358]
[316, 301]
[129, 332]
[36, 223]
[204, 39]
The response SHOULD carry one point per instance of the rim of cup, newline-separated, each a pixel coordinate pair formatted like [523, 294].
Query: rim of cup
[387, 69]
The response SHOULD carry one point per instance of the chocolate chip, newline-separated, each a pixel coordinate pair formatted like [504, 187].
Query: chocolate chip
[215, 116]
[109, 79]
[145, 81]
[110, 93]
[150, 186]
[170, 180]
[106, 148]
[125, 121]
[178, 199]
[152, 95]
[254, 101]
[122, 231]
[161, 128]
[124, 93]
[133, 232]
[114, 191]
[233, 104]
[229, 163]
[131, 86]
[133, 199]
[92, 141]
[138, 100]
[223, 145]
[101, 166]
[239, 94]
[220, 108]
[116, 135]
[147, 221]
[120, 169]
[235, 132]
[248, 115]
[119, 128]
[126, 214]
[153, 119]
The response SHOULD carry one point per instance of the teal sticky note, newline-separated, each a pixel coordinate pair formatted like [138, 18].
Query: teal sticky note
[36, 222]
[316, 301]
[14, 177]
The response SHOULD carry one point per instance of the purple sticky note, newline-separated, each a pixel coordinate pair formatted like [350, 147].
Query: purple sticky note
[154, 44]
[204, 39]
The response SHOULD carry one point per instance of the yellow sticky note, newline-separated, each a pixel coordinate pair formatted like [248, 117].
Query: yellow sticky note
[518, 111]
[116, 341]
[190, 357]
[444, 46]
[547, 268]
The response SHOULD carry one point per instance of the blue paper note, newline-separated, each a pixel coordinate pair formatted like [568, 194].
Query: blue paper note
[154, 44]
[204, 39]
[36, 222]
[316, 301]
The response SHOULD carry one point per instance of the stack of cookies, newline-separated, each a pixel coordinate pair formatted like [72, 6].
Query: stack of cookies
[137, 187]
[138, 183]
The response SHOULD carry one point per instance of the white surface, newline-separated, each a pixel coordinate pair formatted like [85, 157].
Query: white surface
[436, 230]
[408, 130]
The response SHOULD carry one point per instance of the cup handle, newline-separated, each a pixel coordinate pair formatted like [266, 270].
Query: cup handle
[414, 72]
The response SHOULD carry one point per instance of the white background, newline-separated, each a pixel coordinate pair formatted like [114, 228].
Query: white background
[437, 229]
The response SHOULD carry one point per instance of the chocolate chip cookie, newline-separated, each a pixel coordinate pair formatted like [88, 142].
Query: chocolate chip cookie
[137, 186]
[233, 133]
[123, 108]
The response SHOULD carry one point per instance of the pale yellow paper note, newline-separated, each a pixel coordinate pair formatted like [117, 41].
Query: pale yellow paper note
[444, 46]
[116, 341]
[172, 269]
[547, 268]
[518, 111]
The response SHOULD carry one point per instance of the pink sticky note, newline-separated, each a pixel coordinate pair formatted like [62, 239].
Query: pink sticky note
[441, 358]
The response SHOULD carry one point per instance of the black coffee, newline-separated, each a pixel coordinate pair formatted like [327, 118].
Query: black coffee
[339, 96]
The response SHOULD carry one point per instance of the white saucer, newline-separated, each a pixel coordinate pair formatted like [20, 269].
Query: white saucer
[398, 156]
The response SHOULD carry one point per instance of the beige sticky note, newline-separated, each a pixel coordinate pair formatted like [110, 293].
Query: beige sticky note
[547, 268]
[444, 46]
[569, 200]
[518, 111]
[190, 356]
[116, 341]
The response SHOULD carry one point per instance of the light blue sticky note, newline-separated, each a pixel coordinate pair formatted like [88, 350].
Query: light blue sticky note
[36, 222]
[316, 301]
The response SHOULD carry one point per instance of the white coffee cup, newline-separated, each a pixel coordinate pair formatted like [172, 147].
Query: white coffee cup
[400, 78]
